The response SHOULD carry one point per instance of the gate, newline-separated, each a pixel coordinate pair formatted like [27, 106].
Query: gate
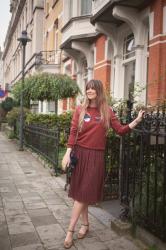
[143, 173]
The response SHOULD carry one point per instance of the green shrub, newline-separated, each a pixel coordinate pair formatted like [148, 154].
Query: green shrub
[11, 135]
[14, 114]
[152, 248]
[7, 104]
[50, 120]
[3, 120]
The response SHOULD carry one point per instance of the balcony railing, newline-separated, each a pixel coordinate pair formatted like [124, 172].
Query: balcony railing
[52, 57]
[49, 57]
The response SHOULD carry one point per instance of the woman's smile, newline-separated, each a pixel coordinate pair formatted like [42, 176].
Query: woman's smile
[91, 94]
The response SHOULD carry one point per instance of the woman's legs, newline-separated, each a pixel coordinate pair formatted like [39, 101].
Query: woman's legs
[78, 207]
[85, 221]
[84, 216]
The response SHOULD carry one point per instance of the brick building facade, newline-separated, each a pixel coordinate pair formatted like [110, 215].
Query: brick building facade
[122, 43]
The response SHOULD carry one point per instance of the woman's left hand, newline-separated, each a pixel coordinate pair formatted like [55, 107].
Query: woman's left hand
[140, 115]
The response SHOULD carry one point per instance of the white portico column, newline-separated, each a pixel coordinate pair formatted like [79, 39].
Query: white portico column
[76, 55]
[87, 50]
[118, 91]
[79, 75]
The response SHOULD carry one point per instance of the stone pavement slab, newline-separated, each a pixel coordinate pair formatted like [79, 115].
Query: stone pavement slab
[35, 210]
[24, 239]
[30, 247]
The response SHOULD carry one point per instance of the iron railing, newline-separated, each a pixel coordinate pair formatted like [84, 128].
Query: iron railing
[49, 57]
[44, 141]
[143, 173]
[112, 160]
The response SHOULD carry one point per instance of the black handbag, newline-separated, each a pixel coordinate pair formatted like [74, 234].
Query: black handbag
[73, 159]
[72, 165]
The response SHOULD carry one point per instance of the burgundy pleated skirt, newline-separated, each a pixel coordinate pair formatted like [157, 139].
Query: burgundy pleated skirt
[87, 179]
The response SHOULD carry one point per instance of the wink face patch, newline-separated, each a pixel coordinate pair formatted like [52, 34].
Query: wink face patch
[87, 117]
[98, 118]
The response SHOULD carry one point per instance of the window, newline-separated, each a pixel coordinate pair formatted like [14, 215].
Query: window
[84, 71]
[47, 6]
[86, 7]
[55, 35]
[32, 5]
[128, 47]
[41, 107]
[70, 8]
[51, 107]
[129, 80]
[46, 40]
[26, 16]
[129, 66]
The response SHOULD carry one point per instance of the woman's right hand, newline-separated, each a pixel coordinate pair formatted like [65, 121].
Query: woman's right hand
[66, 159]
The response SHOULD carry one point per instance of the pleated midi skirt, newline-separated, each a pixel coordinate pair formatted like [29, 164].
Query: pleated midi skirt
[87, 179]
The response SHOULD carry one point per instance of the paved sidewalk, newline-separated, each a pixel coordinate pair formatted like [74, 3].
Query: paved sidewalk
[35, 210]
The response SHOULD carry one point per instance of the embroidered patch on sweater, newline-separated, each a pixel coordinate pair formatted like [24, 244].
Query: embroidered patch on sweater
[87, 117]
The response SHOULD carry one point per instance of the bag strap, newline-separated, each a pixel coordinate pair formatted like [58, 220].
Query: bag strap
[75, 141]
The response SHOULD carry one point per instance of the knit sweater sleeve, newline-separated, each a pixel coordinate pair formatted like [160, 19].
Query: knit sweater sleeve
[74, 127]
[117, 126]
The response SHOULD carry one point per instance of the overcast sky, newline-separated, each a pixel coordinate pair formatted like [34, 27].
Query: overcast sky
[4, 19]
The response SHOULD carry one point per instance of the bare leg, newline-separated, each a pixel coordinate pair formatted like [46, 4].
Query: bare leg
[84, 215]
[85, 221]
[77, 209]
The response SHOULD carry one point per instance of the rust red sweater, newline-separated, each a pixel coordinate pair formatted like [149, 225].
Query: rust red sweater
[93, 133]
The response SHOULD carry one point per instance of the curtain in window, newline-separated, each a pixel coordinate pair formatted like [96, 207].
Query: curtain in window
[70, 8]
[86, 7]
[129, 80]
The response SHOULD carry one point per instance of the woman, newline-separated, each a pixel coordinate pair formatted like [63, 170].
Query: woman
[89, 127]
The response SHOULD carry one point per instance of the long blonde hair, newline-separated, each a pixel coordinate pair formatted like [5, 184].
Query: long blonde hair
[101, 103]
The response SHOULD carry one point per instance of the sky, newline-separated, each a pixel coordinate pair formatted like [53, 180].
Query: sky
[5, 16]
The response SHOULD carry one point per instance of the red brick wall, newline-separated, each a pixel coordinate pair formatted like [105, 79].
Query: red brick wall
[100, 49]
[64, 107]
[156, 92]
[157, 8]
[103, 73]
[72, 103]
[102, 68]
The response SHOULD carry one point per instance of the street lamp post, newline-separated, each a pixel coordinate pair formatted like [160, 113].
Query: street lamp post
[23, 40]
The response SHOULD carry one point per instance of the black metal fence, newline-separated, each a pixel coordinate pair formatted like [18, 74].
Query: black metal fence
[112, 161]
[44, 141]
[143, 173]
